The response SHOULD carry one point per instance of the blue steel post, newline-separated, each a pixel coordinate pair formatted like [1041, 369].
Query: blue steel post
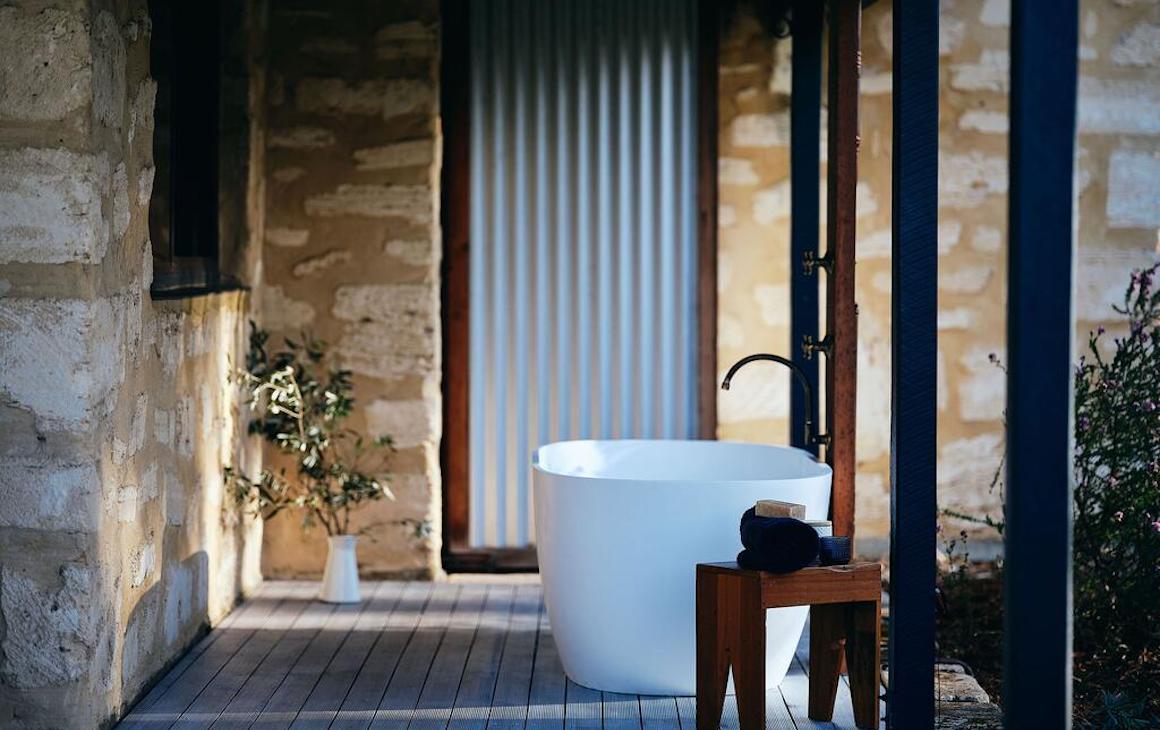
[913, 455]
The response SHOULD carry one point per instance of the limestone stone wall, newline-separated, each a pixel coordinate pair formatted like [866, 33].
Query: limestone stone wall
[353, 245]
[1119, 214]
[117, 548]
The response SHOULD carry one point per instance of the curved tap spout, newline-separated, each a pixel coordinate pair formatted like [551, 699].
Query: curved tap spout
[811, 437]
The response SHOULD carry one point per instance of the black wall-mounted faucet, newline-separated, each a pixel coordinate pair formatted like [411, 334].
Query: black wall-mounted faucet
[811, 437]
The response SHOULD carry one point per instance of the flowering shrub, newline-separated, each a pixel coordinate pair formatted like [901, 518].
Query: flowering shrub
[1117, 504]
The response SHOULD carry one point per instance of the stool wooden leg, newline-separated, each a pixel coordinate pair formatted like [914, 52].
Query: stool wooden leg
[748, 654]
[827, 635]
[863, 649]
[712, 659]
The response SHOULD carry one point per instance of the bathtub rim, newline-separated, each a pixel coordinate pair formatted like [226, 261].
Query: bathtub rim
[824, 469]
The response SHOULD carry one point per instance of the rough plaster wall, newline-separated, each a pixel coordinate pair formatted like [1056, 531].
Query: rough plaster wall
[353, 245]
[116, 547]
[1119, 214]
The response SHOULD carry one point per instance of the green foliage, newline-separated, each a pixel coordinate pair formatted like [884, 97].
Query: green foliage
[1117, 502]
[1120, 712]
[299, 401]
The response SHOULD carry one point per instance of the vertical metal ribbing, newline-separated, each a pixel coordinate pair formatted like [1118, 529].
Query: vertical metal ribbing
[480, 144]
[583, 257]
[516, 497]
[606, 49]
[626, 272]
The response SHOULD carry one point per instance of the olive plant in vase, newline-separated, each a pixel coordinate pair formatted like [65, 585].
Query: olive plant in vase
[299, 402]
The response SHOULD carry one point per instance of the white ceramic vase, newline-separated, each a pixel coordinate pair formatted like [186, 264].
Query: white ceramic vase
[340, 580]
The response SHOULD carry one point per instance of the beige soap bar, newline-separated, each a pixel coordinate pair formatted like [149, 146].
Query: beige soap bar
[774, 508]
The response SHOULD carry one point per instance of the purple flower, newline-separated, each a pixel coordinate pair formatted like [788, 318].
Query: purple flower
[1149, 406]
[1156, 525]
[1119, 515]
[1084, 423]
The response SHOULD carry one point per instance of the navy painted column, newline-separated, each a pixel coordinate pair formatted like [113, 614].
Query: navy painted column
[913, 453]
[804, 163]
[1040, 261]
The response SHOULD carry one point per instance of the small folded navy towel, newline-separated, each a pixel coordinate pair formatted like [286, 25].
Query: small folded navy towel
[776, 544]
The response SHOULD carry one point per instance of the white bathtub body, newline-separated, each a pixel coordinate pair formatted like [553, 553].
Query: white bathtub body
[620, 526]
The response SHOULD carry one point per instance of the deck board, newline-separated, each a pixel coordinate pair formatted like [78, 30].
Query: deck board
[165, 703]
[362, 701]
[424, 656]
[216, 696]
[509, 703]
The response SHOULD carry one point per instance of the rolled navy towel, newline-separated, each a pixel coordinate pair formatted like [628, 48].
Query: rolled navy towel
[776, 544]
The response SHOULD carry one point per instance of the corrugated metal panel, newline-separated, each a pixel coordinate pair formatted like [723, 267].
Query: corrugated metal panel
[583, 236]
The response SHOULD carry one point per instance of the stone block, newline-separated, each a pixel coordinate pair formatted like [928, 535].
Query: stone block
[301, 138]
[412, 253]
[966, 465]
[771, 204]
[337, 97]
[949, 233]
[986, 239]
[1138, 47]
[965, 180]
[287, 237]
[407, 96]
[956, 318]
[757, 394]
[108, 70]
[760, 130]
[317, 264]
[50, 206]
[414, 153]
[984, 120]
[52, 634]
[49, 495]
[990, 73]
[390, 330]
[965, 279]
[1118, 106]
[50, 76]
[734, 171]
[76, 345]
[983, 390]
[409, 423]
[958, 686]
[280, 313]
[1133, 191]
[773, 301]
[141, 563]
[996, 13]
[411, 202]
[874, 382]
[409, 39]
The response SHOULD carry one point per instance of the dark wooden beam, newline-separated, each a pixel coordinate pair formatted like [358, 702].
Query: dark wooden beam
[914, 336]
[455, 105]
[841, 312]
[1041, 251]
[804, 162]
[708, 40]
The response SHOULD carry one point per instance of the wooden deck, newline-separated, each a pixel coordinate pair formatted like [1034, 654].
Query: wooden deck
[469, 656]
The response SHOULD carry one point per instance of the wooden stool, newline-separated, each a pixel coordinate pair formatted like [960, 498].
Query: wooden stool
[845, 608]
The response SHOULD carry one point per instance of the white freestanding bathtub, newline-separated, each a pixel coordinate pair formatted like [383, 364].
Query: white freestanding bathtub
[620, 526]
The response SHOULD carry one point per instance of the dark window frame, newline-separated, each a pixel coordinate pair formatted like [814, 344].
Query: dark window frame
[185, 207]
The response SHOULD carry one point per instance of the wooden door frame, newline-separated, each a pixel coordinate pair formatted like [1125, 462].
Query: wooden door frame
[455, 280]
